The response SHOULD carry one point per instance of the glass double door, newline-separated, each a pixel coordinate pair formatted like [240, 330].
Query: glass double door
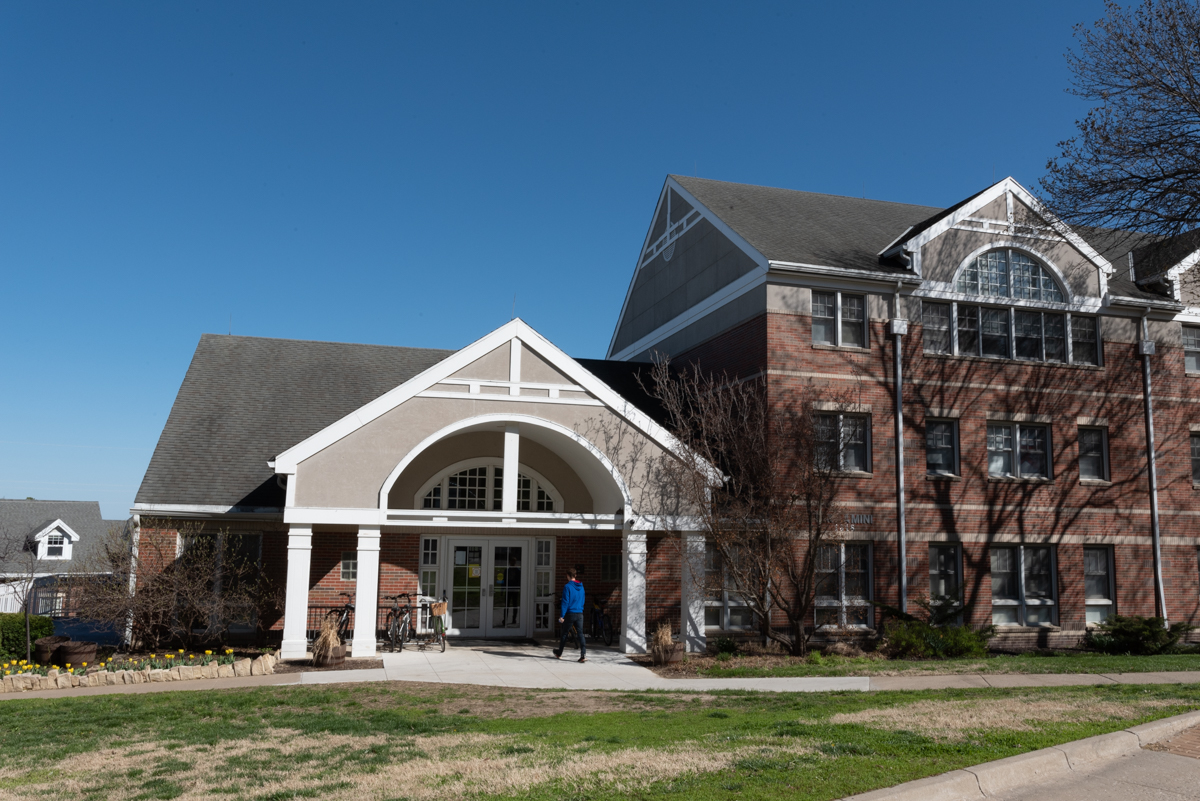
[487, 587]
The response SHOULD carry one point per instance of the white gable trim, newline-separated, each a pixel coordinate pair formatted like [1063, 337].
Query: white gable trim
[1007, 186]
[67, 531]
[717, 223]
[517, 331]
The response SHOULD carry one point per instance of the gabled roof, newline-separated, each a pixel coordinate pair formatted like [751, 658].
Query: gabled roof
[786, 225]
[246, 399]
[24, 520]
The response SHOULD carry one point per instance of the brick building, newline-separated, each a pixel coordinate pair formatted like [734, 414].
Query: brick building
[1025, 352]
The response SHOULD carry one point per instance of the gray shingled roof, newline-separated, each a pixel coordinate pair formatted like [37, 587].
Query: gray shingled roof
[22, 519]
[806, 227]
[245, 400]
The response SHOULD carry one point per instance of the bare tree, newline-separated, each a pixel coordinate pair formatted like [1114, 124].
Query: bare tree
[1135, 163]
[770, 519]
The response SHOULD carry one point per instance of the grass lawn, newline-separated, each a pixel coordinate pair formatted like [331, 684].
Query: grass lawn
[1075, 662]
[393, 741]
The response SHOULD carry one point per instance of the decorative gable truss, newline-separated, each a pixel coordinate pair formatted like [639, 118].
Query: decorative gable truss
[53, 542]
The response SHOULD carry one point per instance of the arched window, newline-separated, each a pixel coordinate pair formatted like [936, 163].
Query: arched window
[1009, 273]
[482, 488]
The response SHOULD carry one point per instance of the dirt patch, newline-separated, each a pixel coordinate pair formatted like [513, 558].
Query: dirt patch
[951, 720]
[306, 666]
[281, 762]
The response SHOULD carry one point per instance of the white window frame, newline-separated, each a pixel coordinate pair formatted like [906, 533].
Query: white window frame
[839, 341]
[1105, 474]
[442, 479]
[725, 601]
[973, 264]
[349, 566]
[543, 578]
[429, 568]
[843, 601]
[1016, 449]
[957, 466]
[840, 419]
[1068, 333]
[1092, 603]
[1187, 350]
[1022, 602]
[925, 327]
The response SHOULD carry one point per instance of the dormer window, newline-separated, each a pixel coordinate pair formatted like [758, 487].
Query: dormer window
[54, 546]
[481, 488]
[1009, 274]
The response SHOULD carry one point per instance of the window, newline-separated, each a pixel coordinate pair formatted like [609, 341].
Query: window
[482, 488]
[1191, 349]
[610, 567]
[1023, 586]
[1018, 451]
[349, 565]
[723, 606]
[1085, 340]
[54, 546]
[935, 321]
[429, 566]
[941, 447]
[843, 578]
[839, 319]
[1093, 454]
[543, 565]
[1040, 336]
[1009, 274]
[1195, 440]
[1098, 584]
[945, 582]
[845, 441]
[993, 332]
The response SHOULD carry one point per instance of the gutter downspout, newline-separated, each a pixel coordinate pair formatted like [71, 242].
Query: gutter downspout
[898, 328]
[1146, 349]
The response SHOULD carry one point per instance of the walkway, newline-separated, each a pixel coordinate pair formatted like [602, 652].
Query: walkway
[534, 667]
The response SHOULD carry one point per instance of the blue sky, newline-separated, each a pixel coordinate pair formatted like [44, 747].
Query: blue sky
[396, 173]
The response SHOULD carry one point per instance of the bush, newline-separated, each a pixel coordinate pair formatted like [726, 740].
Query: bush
[917, 639]
[1136, 635]
[12, 633]
[726, 645]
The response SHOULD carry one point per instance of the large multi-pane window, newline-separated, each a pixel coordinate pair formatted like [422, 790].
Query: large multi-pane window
[429, 566]
[1191, 348]
[1009, 274]
[482, 488]
[1085, 340]
[843, 580]
[839, 318]
[941, 447]
[543, 584]
[845, 441]
[945, 576]
[1018, 450]
[724, 607]
[1093, 454]
[935, 322]
[1098, 584]
[1195, 443]
[1023, 586]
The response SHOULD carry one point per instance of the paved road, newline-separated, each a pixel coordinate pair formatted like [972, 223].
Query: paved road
[1144, 776]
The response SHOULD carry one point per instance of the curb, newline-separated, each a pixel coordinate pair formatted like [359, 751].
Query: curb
[1025, 770]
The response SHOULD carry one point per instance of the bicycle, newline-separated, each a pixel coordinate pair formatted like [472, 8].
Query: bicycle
[600, 624]
[399, 621]
[341, 616]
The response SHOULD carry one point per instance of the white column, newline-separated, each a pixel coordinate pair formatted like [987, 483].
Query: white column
[692, 596]
[633, 594]
[512, 454]
[295, 605]
[366, 593]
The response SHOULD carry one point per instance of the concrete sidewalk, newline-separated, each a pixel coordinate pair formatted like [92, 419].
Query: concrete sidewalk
[534, 667]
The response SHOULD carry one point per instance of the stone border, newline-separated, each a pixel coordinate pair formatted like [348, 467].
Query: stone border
[992, 778]
[95, 677]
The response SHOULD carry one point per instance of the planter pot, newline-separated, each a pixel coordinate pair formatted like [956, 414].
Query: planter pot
[75, 654]
[336, 657]
[44, 648]
[669, 655]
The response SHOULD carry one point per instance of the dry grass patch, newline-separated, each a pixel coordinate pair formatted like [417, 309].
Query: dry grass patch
[951, 720]
[432, 767]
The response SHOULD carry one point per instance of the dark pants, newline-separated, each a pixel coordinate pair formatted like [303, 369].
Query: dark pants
[573, 619]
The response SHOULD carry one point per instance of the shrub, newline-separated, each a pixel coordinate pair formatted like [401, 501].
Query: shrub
[726, 645]
[724, 656]
[12, 633]
[1136, 635]
[917, 639]
[661, 644]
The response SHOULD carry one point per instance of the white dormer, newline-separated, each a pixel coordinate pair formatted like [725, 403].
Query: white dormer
[54, 541]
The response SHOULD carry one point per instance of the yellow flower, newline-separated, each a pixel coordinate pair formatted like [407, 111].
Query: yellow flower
[208, 653]
[85, 664]
[68, 664]
[181, 650]
[151, 656]
[170, 656]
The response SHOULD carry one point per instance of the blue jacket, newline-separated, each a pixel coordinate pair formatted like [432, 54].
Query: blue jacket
[572, 598]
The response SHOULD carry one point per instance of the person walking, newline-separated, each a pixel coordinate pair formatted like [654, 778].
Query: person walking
[571, 614]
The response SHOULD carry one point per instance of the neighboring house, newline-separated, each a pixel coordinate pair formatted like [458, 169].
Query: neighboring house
[45, 540]
[484, 473]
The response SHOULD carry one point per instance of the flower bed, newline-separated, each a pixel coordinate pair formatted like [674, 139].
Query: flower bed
[21, 676]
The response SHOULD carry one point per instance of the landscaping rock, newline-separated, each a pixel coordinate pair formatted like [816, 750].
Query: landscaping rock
[139, 677]
[9, 686]
[241, 668]
[225, 672]
[209, 671]
[157, 675]
[47, 682]
[257, 668]
[75, 680]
